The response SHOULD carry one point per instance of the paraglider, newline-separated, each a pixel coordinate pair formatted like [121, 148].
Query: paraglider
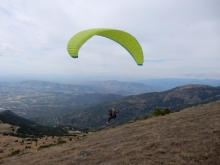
[123, 38]
[112, 114]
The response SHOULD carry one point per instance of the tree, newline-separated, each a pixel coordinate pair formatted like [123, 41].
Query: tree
[157, 112]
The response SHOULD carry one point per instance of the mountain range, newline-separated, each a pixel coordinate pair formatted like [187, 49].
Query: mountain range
[142, 105]
[112, 86]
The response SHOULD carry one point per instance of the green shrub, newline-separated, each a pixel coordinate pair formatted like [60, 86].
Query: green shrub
[136, 119]
[157, 112]
[167, 111]
[15, 152]
[61, 141]
[44, 146]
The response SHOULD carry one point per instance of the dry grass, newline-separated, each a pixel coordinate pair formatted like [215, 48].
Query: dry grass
[5, 128]
[9, 144]
[189, 137]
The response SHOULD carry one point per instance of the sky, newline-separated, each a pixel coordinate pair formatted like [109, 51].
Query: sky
[179, 39]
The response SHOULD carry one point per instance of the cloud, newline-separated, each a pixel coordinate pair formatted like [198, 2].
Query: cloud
[177, 37]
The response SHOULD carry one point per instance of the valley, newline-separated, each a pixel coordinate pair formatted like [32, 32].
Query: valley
[86, 105]
[44, 102]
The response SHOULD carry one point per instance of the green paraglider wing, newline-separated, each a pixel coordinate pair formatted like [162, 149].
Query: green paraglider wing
[123, 38]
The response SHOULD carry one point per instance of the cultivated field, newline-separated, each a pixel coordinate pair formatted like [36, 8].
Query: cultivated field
[189, 137]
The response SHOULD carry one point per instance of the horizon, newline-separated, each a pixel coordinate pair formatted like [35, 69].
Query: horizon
[160, 83]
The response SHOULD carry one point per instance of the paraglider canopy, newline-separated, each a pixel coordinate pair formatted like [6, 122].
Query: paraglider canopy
[123, 38]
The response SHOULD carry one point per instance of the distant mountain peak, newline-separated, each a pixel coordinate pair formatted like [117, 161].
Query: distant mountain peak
[191, 86]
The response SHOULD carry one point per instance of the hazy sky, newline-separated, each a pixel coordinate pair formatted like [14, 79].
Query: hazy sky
[180, 39]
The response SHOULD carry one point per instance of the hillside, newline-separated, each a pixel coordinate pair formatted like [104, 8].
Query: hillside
[9, 117]
[28, 128]
[19, 134]
[190, 137]
[142, 105]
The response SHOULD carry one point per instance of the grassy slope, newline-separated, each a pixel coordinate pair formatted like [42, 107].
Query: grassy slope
[191, 137]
